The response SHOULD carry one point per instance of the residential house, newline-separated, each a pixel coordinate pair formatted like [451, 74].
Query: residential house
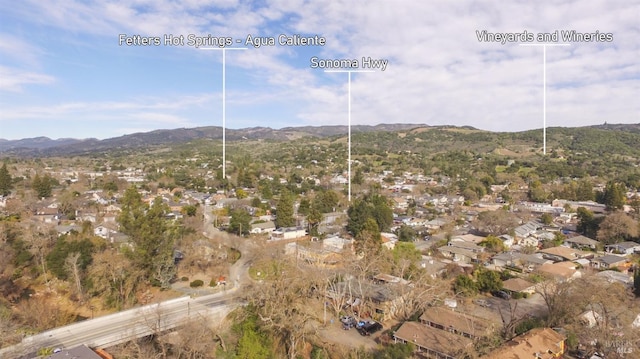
[434, 343]
[287, 233]
[400, 203]
[590, 205]
[540, 207]
[581, 242]
[469, 238]
[538, 343]
[624, 248]
[381, 301]
[315, 255]
[432, 266]
[47, 215]
[560, 254]
[507, 240]
[608, 261]
[459, 243]
[389, 240]
[519, 285]
[105, 230]
[435, 224]
[462, 324]
[458, 254]
[263, 227]
[67, 229]
[336, 243]
[527, 229]
[560, 271]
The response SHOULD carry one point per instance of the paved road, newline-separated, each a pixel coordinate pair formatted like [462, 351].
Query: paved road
[123, 326]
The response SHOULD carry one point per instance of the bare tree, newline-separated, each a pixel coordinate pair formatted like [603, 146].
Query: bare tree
[73, 264]
[40, 240]
[558, 299]
[282, 306]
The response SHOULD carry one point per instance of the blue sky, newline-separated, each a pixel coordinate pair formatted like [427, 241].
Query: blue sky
[63, 73]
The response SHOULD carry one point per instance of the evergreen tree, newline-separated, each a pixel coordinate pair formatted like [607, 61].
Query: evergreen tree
[370, 207]
[636, 282]
[284, 210]
[240, 222]
[587, 223]
[150, 233]
[305, 206]
[314, 218]
[42, 185]
[5, 181]
[584, 192]
[613, 196]
[358, 178]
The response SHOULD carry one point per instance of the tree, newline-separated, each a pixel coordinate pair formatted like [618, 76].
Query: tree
[284, 210]
[613, 196]
[368, 241]
[189, 210]
[151, 235]
[495, 222]
[6, 182]
[358, 177]
[537, 192]
[465, 286]
[406, 233]
[326, 201]
[240, 222]
[282, 306]
[488, 280]
[546, 218]
[372, 206]
[304, 207]
[617, 227]
[314, 218]
[115, 279]
[636, 282]
[584, 192]
[42, 185]
[587, 223]
[557, 298]
[493, 243]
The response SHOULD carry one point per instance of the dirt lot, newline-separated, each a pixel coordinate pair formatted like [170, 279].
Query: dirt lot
[333, 333]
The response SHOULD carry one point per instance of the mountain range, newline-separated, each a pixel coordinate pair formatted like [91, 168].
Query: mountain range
[44, 146]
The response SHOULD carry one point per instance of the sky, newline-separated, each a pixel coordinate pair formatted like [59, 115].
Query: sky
[64, 71]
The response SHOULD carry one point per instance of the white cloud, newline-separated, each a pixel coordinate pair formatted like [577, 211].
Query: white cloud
[14, 80]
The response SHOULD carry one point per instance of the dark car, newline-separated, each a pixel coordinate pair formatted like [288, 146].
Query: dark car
[501, 294]
[368, 328]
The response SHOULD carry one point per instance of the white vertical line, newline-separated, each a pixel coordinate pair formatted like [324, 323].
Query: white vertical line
[349, 123]
[544, 91]
[544, 99]
[349, 141]
[224, 117]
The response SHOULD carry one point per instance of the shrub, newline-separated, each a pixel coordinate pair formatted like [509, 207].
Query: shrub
[184, 279]
[213, 282]
[196, 283]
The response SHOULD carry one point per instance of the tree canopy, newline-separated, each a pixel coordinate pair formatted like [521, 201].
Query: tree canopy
[372, 206]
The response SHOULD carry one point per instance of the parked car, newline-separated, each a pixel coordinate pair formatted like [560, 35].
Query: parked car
[368, 328]
[483, 303]
[348, 322]
[501, 294]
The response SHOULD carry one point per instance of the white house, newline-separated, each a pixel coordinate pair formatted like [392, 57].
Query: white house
[287, 233]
